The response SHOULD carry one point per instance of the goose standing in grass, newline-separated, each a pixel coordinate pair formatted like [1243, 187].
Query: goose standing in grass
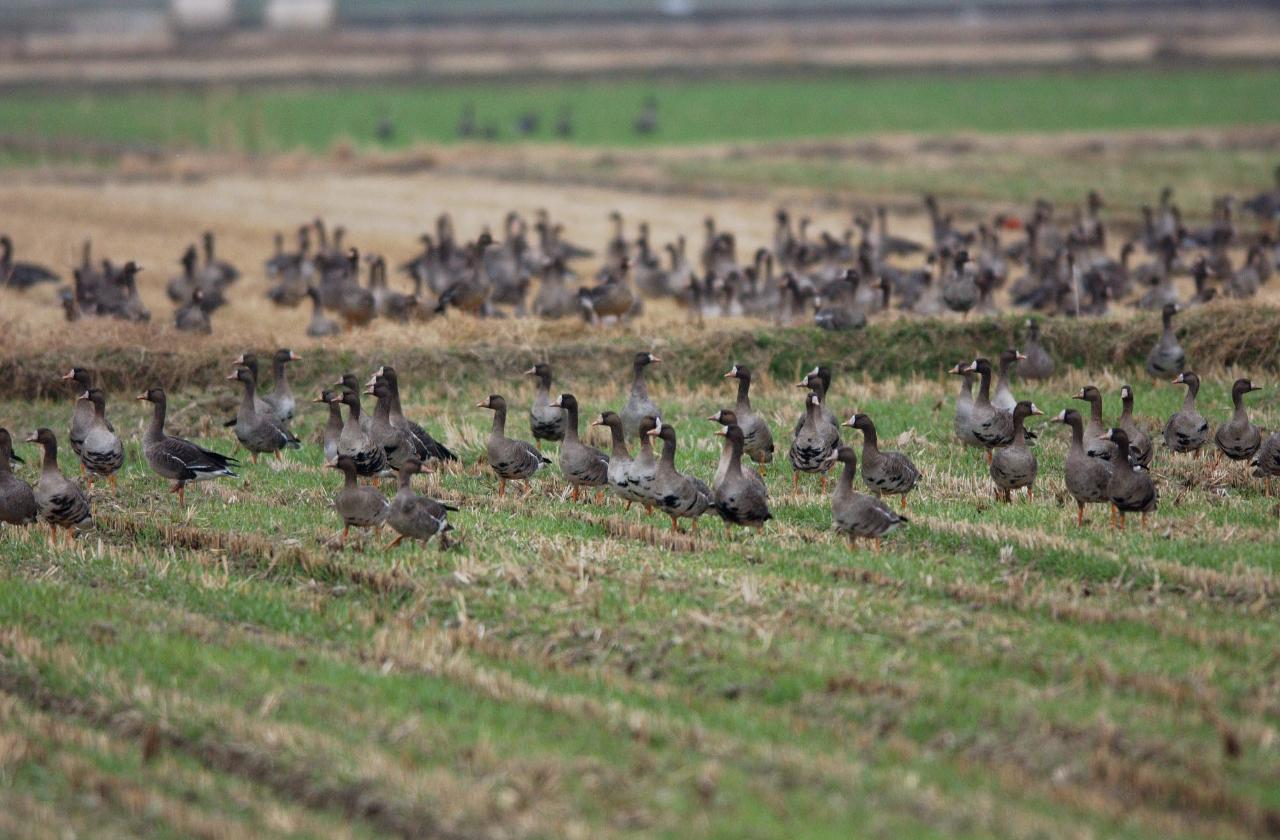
[1187, 430]
[758, 440]
[192, 316]
[886, 473]
[582, 465]
[426, 447]
[1003, 399]
[101, 453]
[857, 515]
[1038, 363]
[60, 502]
[644, 469]
[396, 446]
[739, 500]
[1014, 466]
[1167, 358]
[619, 458]
[1238, 438]
[1087, 478]
[417, 517]
[545, 421]
[1095, 446]
[677, 495]
[817, 381]
[258, 433]
[261, 406]
[82, 414]
[1139, 441]
[963, 422]
[320, 325]
[281, 399]
[814, 448]
[21, 275]
[358, 506]
[333, 426]
[510, 459]
[991, 427]
[638, 404]
[355, 440]
[176, 459]
[17, 501]
[1130, 489]
[727, 417]
[1266, 464]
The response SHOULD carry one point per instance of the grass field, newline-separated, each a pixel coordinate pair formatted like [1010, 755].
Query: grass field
[691, 111]
[573, 670]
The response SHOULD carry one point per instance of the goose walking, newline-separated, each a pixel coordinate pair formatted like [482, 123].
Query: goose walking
[510, 459]
[1131, 489]
[417, 517]
[258, 433]
[738, 500]
[1087, 478]
[355, 440]
[814, 448]
[991, 426]
[857, 515]
[1139, 441]
[1238, 438]
[1095, 446]
[619, 459]
[638, 405]
[425, 447]
[757, 439]
[581, 465]
[728, 417]
[545, 421]
[358, 506]
[1014, 466]
[886, 473]
[178, 460]
[677, 495]
[962, 425]
[1167, 357]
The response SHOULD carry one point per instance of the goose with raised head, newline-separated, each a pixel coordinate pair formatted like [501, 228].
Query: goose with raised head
[644, 469]
[333, 426]
[1131, 488]
[962, 424]
[738, 499]
[178, 460]
[101, 452]
[638, 405]
[1037, 363]
[857, 515]
[1003, 398]
[417, 517]
[1014, 466]
[1139, 440]
[355, 439]
[258, 433]
[396, 446]
[17, 501]
[281, 401]
[60, 502]
[677, 495]
[581, 465]
[1167, 358]
[358, 506]
[21, 275]
[1087, 478]
[510, 459]
[320, 325]
[425, 446]
[886, 473]
[619, 458]
[817, 381]
[757, 439]
[991, 426]
[1095, 446]
[192, 316]
[1187, 430]
[545, 421]
[1238, 438]
[728, 417]
[82, 414]
[813, 450]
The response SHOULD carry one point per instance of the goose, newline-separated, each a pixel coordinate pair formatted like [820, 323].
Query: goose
[959, 286]
[991, 427]
[396, 446]
[471, 290]
[356, 304]
[394, 306]
[417, 517]
[21, 275]
[638, 404]
[510, 459]
[249, 360]
[1087, 478]
[677, 495]
[1187, 430]
[356, 441]
[426, 447]
[60, 502]
[101, 452]
[818, 381]
[219, 272]
[192, 317]
[814, 448]
[1014, 466]
[962, 425]
[1167, 357]
[1139, 441]
[582, 465]
[320, 326]
[644, 469]
[1095, 447]
[1004, 399]
[757, 439]
[1266, 464]
[1130, 489]
[554, 298]
[281, 401]
[886, 473]
[17, 501]
[357, 506]
[545, 421]
[728, 417]
[739, 500]
[857, 515]
[1037, 363]
[180, 288]
[619, 459]
[1238, 438]
[176, 459]
[82, 415]
[259, 433]
[333, 426]
[612, 298]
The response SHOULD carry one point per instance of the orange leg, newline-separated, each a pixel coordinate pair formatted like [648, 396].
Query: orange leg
[1144, 520]
[1030, 494]
[502, 487]
[628, 507]
[904, 501]
[278, 456]
[599, 496]
[694, 525]
[648, 510]
[342, 538]
[573, 497]
[394, 542]
[824, 483]
[795, 480]
[53, 535]
[1121, 520]
[71, 537]
[1196, 454]
[1079, 514]
[1268, 486]
[675, 524]
[112, 479]
[253, 456]
[538, 443]
[876, 544]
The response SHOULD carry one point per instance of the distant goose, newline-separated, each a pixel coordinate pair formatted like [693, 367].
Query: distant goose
[21, 275]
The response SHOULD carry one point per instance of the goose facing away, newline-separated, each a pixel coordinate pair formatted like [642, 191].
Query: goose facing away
[1167, 357]
[17, 501]
[814, 448]
[1003, 399]
[858, 515]
[417, 517]
[1238, 438]
[545, 421]
[1086, 478]
[1038, 363]
[60, 502]
[101, 453]
[677, 495]
[1014, 466]
[357, 506]
[1131, 489]
[963, 422]
[1139, 441]
[333, 426]
[355, 439]
[1187, 430]
[510, 459]
[176, 459]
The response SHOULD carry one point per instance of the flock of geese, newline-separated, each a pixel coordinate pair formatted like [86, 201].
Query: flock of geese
[1104, 464]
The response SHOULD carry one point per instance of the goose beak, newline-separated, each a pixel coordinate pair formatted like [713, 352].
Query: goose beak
[555, 403]
[715, 418]
[654, 359]
[1019, 356]
[368, 391]
[71, 374]
[1177, 380]
[1061, 417]
[84, 396]
[373, 380]
[956, 369]
[1078, 395]
[733, 374]
[533, 371]
[1035, 409]
[32, 438]
[653, 432]
[233, 375]
[381, 371]
[484, 404]
[1105, 435]
[973, 367]
[294, 357]
[316, 400]
[595, 422]
[238, 360]
[337, 384]
[140, 397]
[1255, 387]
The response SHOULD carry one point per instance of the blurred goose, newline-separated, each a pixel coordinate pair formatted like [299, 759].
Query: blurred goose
[259, 433]
[1187, 430]
[60, 502]
[176, 459]
[417, 517]
[1004, 398]
[677, 495]
[959, 285]
[192, 316]
[644, 469]
[991, 427]
[813, 449]
[1037, 363]
[638, 404]
[727, 417]
[21, 275]
[963, 422]
[396, 446]
[757, 439]
[101, 453]
[545, 421]
[82, 415]
[355, 440]
[1130, 489]
[1014, 466]
[357, 506]
[17, 501]
[1238, 438]
[619, 458]
[1139, 441]
[1095, 446]
[510, 459]
[886, 473]
[612, 298]
[857, 515]
[1266, 464]
[219, 272]
[333, 426]
[738, 499]
[1167, 358]
[582, 465]
[425, 447]
[1087, 478]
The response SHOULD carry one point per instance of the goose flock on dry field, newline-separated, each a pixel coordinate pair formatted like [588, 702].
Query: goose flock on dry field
[827, 280]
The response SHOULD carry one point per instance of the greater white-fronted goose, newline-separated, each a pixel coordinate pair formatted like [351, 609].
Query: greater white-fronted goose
[582, 465]
[677, 495]
[355, 303]
[281, 399]
[813, 450]
[1167, 358]
[357, 506]
[638, 405]
[1038, 363]
[320, 325]
[644, 469]
[758, 440]
[1003, 399]
[857, 515]
[355, 440]
[333, 426]
[612, 298]
[817, 381]
[1014, 466]
[192, 316]
[395, 443]
[960, 291]
[739, 500]
[101, 453]
[510, 459]
[17, 501]
[1266, 464]
[82, 414]
[1087, 478]
[545, 421]
[1187, 430]
[258, 433]
[886, 473]
[619, 459]
[963, 422]
[1238, 438]
[991, 427]
[220, 272]
[1095, 446]
[261, 406]
[21, 275]
[60, 502]
[176, 459]
[426, 447]
[728, 417]
[1139, 441]
[417, 517]
[1131, 489]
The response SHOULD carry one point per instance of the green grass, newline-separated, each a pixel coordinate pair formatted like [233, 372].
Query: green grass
[691, 111]
[995, 672]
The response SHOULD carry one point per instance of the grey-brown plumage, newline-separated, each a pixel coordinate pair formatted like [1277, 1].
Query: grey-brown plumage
[17, 501]
[1014, 466]
[738, 500]
[1266, 464]
[677, 495]
[176, 459]
[1086, 478]
[101, 453]
[1238, 438]
[259, 433]
[358, 506]
[1130, 490]
[1187, 430]
[281, 398]
[619, 458]
[192, 316]
[333, 426]
[644, 469]
[581, 465]
[1003, 399]
[727, 417]
[1139, 441]
[60, 502]
[638, 404]
[545, 421]
[886, 473]
[396, 446]
[857, 515]
[260, 405]
[417, 517]
[991, 427]
[818, 381]
[1167, 356]
[82, 414]
[1038, 363]
[1094, 445]
[813, 449]
[963, 421]
[425, 447]
[757, 438]
[356, 442]
[510, 459]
